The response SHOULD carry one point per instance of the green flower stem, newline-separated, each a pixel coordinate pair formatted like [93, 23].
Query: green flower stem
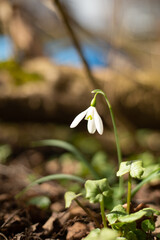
[129, 193]
[103, 213]
[117, 143]
[119, 155]
[88, 212]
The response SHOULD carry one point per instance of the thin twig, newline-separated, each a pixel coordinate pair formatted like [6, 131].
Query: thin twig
[10, 218]
[2, 235]
[76, 43]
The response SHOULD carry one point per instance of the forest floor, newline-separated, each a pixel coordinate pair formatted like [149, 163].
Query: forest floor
[20, 220]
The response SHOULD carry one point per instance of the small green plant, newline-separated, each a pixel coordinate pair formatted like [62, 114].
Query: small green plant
[120, 223]
[138, 225]
[120, 219]
[97, 191]
[129, 226]
[134, 170]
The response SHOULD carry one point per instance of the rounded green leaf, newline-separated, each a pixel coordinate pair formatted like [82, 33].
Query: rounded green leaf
[150, 212]
[138, 215]
[102, 234]
[93, 235]
[131, 236]
[118, 211]
[69, 197]
[148, 225]
[133, 167]
[96, 190]
[124, 168]
[132, 217]
[136, 169]
[108, 234]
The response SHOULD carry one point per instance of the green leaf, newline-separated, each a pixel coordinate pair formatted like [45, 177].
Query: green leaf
[97, 190]
[42, 202]
[5, 152]
[122, 226]
[117, 212]
[133, 167]
[158, 235]
[150, 212]
[138, 215]
[102, 234]
[93, 235]
[108, 234]
[121, 238]
[118, 226]
[121, 221]
[140, 234]
[131, 236]
[132, 217]
[69, 197]
[49, 178]
[69, 147]
[148, 225]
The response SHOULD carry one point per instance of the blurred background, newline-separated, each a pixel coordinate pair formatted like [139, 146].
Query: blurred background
[46, 78]
[53, 53]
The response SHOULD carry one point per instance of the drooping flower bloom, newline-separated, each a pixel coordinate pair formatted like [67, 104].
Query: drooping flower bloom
[93, 118]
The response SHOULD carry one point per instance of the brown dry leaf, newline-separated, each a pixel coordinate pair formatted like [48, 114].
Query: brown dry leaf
[48, 226]
[33, 228]
[64, 217]
[15, 222]
[157, 230]
[57, 206]
[76, 210]
[76, 231]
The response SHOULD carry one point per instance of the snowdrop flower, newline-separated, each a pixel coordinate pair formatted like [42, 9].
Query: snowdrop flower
[94, 120]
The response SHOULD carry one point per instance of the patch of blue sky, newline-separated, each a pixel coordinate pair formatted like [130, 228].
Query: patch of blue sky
[6, 48]
[67, 55]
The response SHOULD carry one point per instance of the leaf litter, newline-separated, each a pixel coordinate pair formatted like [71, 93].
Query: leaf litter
[20, 221]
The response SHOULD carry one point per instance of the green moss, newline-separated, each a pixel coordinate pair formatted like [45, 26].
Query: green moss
[19, 75]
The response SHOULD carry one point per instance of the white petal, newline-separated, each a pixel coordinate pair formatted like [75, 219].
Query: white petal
[77, 119]
[91, 126]
[90, 112]
[98, 122]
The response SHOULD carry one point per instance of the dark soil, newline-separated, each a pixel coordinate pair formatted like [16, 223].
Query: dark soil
[19, 220]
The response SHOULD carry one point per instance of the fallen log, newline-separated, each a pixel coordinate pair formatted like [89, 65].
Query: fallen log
[65, 91]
